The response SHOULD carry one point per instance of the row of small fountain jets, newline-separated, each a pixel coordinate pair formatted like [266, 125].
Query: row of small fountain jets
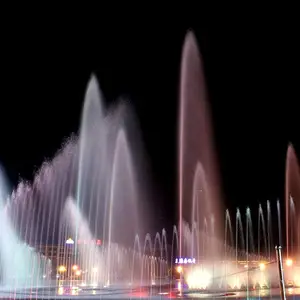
[90, 168]
[153, 263]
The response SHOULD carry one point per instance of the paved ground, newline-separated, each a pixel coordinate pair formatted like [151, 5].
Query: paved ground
[125, 293]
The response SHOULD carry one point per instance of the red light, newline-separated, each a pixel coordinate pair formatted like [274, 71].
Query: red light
[98, 242]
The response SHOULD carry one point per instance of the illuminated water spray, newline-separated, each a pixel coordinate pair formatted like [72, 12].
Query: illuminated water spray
[195, 147]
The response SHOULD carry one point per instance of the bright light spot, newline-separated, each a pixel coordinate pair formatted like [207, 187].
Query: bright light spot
[289, 262]
[297, 279]
[262, 266]
[290, 291]
[44, 276]
[95, 270]
[62, 269]
[78, 273]
[245, 266]
[179, 269]
[179, 286]
[74, 291]
[198, 279]
[75, 268]
[69, 241]
[60, 291]
[153, 282]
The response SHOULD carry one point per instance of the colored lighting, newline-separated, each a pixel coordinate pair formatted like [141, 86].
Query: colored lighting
[69, 241]
[75, 268]
[182, 260]
[289, 262]
[62, 269]
[262, 266]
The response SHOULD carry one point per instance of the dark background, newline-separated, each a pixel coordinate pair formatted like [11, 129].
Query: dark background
[251, 67]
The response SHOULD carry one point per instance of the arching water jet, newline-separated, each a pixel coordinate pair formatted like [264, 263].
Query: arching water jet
[195, 139]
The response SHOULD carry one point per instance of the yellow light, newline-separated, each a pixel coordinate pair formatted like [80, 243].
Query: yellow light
[289, 262]
[62, 269]
[262, 266]
[78, 273]
[198, 279]
[60, 291]
[75, 268]
[179, 269]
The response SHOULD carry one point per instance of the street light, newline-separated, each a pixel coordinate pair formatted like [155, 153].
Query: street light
[75, 268]
[262, 266]
[62, 269]
[289, 262]
[179, 269]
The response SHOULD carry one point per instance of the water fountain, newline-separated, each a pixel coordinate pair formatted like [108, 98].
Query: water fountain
[81, 226]
[90, 192]
[292, 206]
[199, 188]
[292, 198]
[21, 265]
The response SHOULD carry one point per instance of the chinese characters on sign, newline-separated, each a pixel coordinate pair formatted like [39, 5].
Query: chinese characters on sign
[182, 260]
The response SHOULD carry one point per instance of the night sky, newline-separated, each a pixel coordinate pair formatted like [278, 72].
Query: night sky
[251, 69]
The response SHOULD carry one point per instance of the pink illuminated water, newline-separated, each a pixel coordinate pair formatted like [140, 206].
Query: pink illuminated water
[198, 176]
[292, 200]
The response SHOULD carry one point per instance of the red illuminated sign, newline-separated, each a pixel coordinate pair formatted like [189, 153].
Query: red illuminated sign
[89, 242]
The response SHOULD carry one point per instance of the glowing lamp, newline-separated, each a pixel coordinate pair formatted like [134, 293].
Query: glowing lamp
[289, 262]
[69, 241]
[262, 266]
[78, 273]
[179, 269]
[62, 269]
[75, 268]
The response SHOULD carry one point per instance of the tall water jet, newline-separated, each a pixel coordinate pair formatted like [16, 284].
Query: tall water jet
[195, 142]
[292, 190]
[92, 150]
[122, 205]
